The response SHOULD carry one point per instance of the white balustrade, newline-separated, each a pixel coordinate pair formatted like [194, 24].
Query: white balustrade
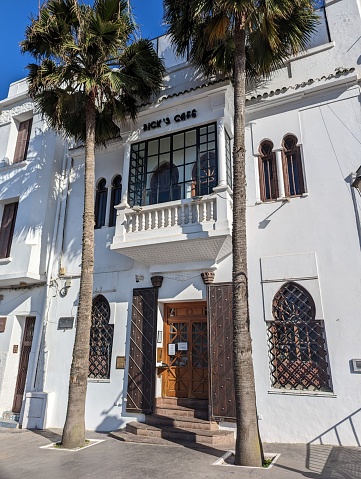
[171, 215]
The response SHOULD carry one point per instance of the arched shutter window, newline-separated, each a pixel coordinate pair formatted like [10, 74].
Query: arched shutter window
[116, 198]
[267, 172]
[204, 175]
[297, 344]
[101, 339]
[164, 184]
[292, 167]
[100, 203]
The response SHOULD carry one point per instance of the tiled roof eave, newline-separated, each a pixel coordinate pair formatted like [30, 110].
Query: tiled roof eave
[345, 75]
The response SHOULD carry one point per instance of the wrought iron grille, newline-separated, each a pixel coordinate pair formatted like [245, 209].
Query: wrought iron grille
[101, 340]
[297, 345]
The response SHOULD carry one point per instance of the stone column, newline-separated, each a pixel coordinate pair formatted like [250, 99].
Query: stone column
[107, 211]
[281, 183]
[125, 176]
[221, 150]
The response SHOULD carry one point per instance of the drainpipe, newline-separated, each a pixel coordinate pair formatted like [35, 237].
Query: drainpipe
[40, 331]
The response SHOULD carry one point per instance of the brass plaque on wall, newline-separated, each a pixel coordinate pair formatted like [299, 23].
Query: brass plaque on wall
[2, 324]
[120, 362]
[159, 355]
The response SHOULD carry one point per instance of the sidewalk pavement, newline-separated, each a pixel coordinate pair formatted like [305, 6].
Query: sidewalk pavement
[21, 457]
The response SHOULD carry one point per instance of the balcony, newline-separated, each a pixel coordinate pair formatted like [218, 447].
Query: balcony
[183, 231]
[22, 267]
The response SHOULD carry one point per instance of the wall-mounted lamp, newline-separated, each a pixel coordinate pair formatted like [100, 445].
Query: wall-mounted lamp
[64, 291]
[357, 180]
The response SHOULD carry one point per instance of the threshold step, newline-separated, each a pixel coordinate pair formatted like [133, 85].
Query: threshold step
[181, 411]
[181, 422]
[198, 436]
[9, 423]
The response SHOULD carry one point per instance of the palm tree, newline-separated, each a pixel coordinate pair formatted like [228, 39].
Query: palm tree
[88, 77]
[236, 38]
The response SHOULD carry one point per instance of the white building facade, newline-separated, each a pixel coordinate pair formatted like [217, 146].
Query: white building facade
[163, 217]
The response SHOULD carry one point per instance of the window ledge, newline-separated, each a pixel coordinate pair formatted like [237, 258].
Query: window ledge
[281, 199]
[92, 380]
[298, 392]
[21, 164]
[5, 260]
[313, 51]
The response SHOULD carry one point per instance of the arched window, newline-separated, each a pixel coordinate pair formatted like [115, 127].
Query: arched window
[297, 345]
[164, 184]
[267, 172]
[100, 203]
[101, 339]
[116, 198]
[204, 175]
[292, 166]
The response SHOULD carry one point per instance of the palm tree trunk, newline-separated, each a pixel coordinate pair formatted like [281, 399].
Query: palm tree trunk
[74, 428]
[248, 447]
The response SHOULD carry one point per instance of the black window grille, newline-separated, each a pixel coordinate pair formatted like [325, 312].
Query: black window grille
[267, 172]
[228, 160]
[116, 198]
[297, 344]
[100, 203]
[292, 166]
[173, 167]
[101, 340]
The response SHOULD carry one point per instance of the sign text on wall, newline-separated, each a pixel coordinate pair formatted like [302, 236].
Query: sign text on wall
[186, 115]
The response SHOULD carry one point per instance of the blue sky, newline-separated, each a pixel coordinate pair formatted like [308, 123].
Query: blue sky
[15, 16]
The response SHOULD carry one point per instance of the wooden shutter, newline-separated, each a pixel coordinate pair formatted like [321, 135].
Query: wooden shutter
[222, 396]
[23, 364]
[7, 229]
[22, 142]
[142, 354]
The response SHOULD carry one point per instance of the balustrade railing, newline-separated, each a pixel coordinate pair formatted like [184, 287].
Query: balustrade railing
[168, 215]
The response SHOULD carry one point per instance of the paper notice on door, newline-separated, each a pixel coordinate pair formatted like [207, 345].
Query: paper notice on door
[171, 349]
[182, 346]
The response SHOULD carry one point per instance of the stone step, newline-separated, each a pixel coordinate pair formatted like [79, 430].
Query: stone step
[13, 416]
[181, 422]
[199, 436]
[181, 412]
[10, 423]
[182, 402]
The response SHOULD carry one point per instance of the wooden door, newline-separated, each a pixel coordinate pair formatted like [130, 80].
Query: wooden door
[142, 353]
[186, 351]
[23, 364]
[222, 396]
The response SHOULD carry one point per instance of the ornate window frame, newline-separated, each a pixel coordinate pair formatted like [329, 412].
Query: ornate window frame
[100, 209]
[115, 198]
[297, 342]
[101, 339]
[268, 175]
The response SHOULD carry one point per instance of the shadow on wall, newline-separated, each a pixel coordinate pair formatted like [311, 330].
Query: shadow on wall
[348, 427]
[337, 462]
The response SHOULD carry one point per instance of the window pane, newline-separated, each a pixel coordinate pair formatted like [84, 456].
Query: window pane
[152, 163]
[178, 157]
[190, 155]
[164, 145]
[153, 147]
[178, 141]
[191, 138]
